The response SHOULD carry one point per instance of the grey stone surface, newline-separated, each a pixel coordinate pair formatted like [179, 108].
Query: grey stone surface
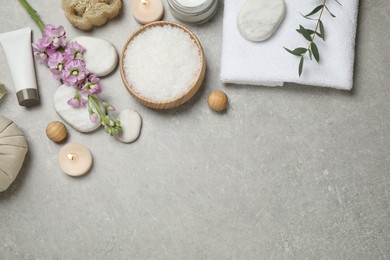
[286, 173]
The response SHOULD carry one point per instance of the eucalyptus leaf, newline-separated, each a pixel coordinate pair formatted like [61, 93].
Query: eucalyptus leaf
[311, 32]
[315, 10]
[307, 17]
[310, 55]
[322, 30]
[329, 11]
[300, 69]
[305, 33]
[308, 30]
[297, 51]
[314, 49]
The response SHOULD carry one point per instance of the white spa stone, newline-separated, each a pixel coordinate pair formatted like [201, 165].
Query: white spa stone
[131, 123]
[100, 55]
[259, 19]
[78, 118]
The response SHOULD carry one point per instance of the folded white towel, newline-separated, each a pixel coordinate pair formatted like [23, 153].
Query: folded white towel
[269, 64]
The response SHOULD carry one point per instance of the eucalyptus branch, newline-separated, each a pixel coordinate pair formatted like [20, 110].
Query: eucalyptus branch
[310, 35]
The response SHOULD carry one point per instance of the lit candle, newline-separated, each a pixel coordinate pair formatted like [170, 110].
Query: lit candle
[75, 159]
[147, 11]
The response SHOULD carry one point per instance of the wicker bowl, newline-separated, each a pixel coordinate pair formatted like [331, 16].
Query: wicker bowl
[165, 104]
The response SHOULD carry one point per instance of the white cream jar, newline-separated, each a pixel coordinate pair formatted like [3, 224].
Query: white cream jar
[193, 11]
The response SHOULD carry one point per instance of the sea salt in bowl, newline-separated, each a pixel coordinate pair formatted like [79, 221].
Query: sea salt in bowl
[162, 65]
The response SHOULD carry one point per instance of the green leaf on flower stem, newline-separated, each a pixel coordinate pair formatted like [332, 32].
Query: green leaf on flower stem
[300, 66]
[329, 11]
[297, 51]
[315, 10]
[322, 30]
[314, 49]
[305, 33]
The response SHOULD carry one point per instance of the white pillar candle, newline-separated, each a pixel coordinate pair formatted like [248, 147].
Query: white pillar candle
[75, 159]
[147, 11]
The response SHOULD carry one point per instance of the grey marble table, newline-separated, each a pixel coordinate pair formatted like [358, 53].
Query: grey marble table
[287, 173]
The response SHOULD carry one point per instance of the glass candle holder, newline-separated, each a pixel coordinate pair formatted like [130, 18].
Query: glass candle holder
[193, 11]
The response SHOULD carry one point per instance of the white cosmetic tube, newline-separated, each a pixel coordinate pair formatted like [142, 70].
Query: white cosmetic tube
[18, 51]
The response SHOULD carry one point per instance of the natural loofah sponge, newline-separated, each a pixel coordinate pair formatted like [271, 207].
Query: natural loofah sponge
[13, 149]
[84, 14]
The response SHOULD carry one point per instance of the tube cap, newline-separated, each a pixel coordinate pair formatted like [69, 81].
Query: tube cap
[28, 97]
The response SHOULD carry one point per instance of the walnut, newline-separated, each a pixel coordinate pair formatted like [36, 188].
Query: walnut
[84, 14]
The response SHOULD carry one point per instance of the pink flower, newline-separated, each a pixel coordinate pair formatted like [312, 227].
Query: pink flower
[48, 28]
[45, 41]
[91, 85]
[74, 102]
[42, 49]
[56, 64]
[77, 101]
[40, 52]
[74, 73]
[74, 51]
[83, 101]
[55, 35]
[93, 117]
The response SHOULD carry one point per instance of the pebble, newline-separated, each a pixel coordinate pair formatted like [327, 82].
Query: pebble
[131, 123]
[78, 118]
[258, 19]
[100, 55]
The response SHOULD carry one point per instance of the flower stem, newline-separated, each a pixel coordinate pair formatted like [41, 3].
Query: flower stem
[111, 126]
[33, 14]
[96, 105]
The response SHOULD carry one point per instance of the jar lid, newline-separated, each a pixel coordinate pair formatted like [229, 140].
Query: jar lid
[191, 8]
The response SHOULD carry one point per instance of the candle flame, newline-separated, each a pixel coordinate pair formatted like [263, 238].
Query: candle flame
[72, 156]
